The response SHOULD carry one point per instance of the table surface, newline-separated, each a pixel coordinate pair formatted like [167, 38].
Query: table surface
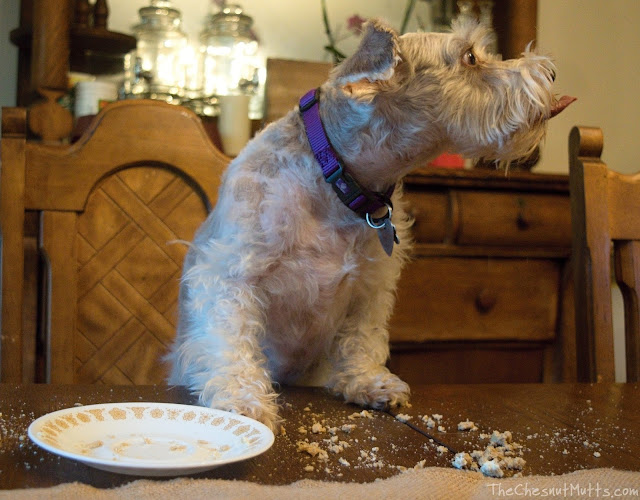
[561, 427]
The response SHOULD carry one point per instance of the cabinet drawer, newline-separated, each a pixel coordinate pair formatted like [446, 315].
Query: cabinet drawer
[454, 299]
[494, 218]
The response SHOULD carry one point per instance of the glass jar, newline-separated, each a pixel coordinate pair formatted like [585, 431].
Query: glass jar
[158, 71]
[231, 63]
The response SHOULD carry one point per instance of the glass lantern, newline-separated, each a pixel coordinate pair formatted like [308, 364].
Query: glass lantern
[231, 61]
[157, 69]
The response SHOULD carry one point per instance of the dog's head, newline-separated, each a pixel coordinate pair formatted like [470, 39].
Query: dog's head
[419, 94]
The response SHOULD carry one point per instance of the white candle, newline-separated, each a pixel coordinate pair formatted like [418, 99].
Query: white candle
[233, 123]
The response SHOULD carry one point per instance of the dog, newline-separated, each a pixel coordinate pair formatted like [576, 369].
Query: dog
[292, 277]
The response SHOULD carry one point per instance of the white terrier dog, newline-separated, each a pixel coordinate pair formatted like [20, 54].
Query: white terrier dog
[292, 277]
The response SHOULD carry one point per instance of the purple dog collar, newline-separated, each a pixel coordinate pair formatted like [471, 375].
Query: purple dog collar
[362, 201]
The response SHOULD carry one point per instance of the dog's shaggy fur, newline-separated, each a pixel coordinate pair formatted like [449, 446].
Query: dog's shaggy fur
[285, 284]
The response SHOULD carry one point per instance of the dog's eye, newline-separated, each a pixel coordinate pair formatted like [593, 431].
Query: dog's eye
[469, 58]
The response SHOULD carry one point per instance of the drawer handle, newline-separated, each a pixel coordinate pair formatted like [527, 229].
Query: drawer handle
[486, 300]
[522, 222]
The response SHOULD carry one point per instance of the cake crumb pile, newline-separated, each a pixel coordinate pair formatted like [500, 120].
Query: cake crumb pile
[501, 454]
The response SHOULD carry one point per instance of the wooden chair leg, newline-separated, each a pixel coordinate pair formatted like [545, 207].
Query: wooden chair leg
[12, 183]
[62, 289]
[627, 262]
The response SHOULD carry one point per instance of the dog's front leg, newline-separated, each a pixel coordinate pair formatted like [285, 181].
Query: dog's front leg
[360, 349]
[359, 354]
[218, 354]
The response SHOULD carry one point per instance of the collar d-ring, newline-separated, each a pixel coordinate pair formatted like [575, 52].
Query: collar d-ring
[374, 222]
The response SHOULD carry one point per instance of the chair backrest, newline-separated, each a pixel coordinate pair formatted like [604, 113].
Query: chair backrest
[111, 205]
[605, 211]
[287, 81]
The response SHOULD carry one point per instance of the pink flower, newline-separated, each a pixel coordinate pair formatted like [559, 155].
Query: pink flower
[354, 24]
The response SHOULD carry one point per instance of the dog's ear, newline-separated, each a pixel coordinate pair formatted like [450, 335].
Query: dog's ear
[373, 62]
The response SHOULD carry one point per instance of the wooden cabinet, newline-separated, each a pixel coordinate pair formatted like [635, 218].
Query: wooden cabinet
[487, 296]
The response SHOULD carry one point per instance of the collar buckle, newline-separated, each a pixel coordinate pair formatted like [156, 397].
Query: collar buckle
[344, 185]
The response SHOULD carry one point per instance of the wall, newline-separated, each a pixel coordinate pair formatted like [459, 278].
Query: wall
[596, 45]
[9, 19]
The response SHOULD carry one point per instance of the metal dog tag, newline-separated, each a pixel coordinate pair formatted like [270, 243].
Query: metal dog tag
[387, 236]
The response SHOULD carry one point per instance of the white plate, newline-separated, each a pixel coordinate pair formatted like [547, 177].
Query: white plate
[150, 439]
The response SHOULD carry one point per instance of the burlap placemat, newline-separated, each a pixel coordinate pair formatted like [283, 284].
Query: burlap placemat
[433, 482]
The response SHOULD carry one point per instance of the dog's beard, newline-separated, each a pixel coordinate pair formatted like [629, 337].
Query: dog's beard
[505, 120]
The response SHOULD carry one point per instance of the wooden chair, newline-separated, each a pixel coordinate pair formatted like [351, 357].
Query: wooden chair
[605, 211]
[109, 206]
[287, 81]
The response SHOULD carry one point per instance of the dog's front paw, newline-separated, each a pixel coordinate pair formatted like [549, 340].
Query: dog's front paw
[266, 412]
[260, 406]
[377, 390]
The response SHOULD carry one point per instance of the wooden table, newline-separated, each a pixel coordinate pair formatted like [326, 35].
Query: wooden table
[562, 428]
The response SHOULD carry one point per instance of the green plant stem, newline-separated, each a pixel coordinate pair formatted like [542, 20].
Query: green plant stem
[331, 48]
[407, 15]
[337, 55]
